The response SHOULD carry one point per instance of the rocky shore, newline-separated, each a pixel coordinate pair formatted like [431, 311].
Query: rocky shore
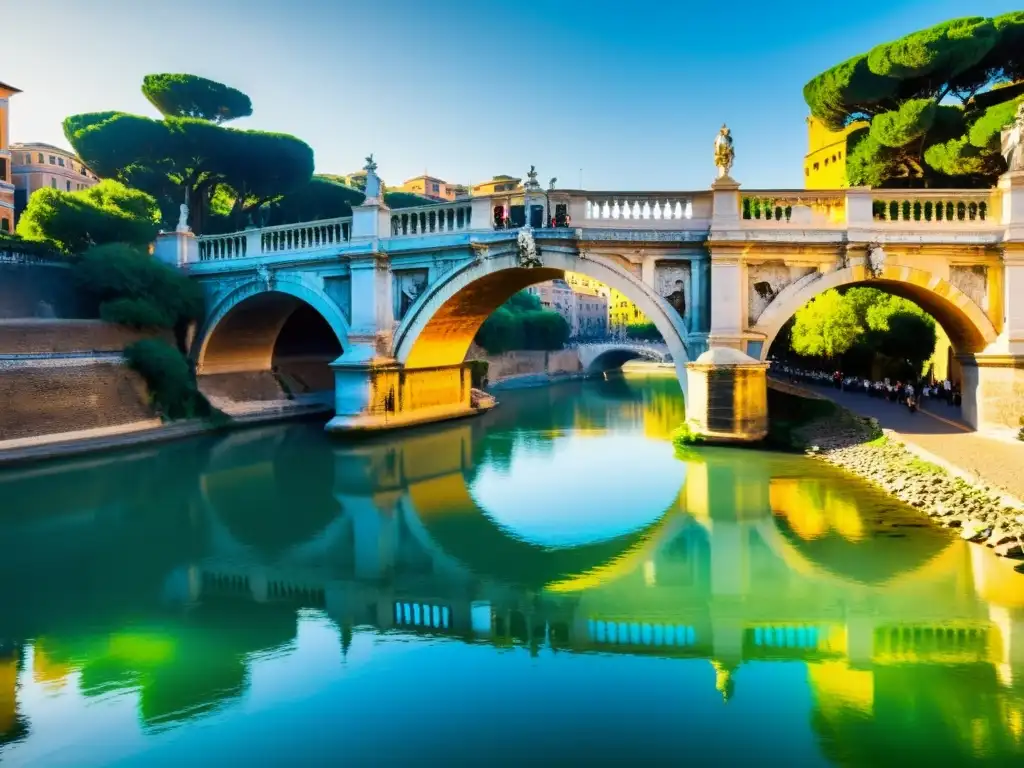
[983, 514]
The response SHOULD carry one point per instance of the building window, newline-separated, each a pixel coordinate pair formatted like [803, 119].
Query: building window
[826, 162]
[436, 187]
[815, 166]
[40, 158]
[3, 169]
[807, 171]
[28, 158]
[60, 161]
[53, 182]
[68, 183]
[53, 160]
[5, 225]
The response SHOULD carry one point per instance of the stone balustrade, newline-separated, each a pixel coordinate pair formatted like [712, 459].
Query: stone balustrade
[433, 219]
[972, 210]
[285, 238]
[306, 236]
[777, 207]
[638, 209]
[936, 208]
[230, 246]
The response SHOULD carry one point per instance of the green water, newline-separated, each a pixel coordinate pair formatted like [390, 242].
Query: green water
[546, 585]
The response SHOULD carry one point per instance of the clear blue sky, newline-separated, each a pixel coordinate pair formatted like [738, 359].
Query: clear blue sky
[631, 93]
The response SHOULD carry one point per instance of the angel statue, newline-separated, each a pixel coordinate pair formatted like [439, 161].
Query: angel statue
[724, 152]
[371, 164]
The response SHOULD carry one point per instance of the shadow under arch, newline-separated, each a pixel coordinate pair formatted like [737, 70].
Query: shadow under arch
[616, 358]
[968, 327]
[244, 330]
[441, 325]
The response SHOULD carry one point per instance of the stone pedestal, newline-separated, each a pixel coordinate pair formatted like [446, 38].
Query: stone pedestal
[176, 249]
[371, 220]
[728, 396]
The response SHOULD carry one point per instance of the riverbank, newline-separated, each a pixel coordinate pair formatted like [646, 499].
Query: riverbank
[61, 445]
[950, 496]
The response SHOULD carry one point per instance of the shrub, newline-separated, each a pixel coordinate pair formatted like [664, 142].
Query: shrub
[116, 271]
[135, 313]
[167, 374]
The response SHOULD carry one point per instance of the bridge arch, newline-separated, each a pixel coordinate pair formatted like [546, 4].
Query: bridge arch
[968, 327]
[440, 326]
[244, 326]
[600, 358]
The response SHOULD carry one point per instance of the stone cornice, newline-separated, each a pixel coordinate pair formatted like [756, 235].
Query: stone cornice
[991, 361]
[642, 235]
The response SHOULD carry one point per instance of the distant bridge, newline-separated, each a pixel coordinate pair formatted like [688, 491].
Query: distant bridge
[607, 356]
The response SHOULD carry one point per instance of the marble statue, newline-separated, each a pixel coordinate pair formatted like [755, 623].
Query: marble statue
[876, 260]
[526, 246]
[724, 152]
[265, 276]
[182, 219]
[1013, 141]
[531, 178]
[374, 188]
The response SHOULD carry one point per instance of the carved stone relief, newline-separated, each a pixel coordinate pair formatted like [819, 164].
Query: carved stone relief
[408, 285]
[337, 288]
[766, 281]
[672, 281]
[973, 281]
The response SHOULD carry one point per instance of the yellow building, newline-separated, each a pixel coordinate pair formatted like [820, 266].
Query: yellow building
[6, 184]
[622, 312]
[498, 184]
[432, 187]
[36, 166]
[825, 162]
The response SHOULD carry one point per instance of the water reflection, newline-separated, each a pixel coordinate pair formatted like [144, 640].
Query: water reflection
[206, 580]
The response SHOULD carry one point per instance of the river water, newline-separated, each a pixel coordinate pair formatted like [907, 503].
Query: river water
[549, 584]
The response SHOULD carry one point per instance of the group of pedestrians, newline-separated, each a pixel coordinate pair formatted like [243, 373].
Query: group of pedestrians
[908, 393]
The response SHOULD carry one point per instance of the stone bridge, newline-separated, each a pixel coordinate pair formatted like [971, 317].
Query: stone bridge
[383, 305]
[607, 356]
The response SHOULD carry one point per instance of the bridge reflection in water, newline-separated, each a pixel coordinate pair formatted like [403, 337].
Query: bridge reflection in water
[212, 556]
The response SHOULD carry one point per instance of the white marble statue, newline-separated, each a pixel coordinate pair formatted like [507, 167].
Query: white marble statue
[1013, 141]
[526, 247]
[724, 153]
[182, 219]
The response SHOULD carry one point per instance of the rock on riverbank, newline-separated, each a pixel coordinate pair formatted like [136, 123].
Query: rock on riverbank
[859, 446]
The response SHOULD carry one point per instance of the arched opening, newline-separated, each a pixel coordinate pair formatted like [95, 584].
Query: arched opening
[266, 347]
[960, 320]
[440, 327]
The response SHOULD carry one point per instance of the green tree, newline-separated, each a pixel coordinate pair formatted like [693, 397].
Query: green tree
[862, 327]
[188, 155]
[935, 101]
[106, 213]
[827, 326]
[521, 323]
[193, 96]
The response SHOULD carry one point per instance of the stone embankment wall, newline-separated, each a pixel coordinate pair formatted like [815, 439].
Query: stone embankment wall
[528, 366]
[60, 376]
[37, 290]
[982, 514]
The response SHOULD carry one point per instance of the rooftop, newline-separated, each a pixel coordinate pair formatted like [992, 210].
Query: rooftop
[5, 87]
[40, 145]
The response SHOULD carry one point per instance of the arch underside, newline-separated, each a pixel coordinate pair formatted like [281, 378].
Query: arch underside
[965, 323]
[446, 337]
[270, 333]
[616, 358]
[440, 327]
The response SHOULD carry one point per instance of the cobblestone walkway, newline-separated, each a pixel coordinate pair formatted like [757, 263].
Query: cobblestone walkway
[940, 431]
